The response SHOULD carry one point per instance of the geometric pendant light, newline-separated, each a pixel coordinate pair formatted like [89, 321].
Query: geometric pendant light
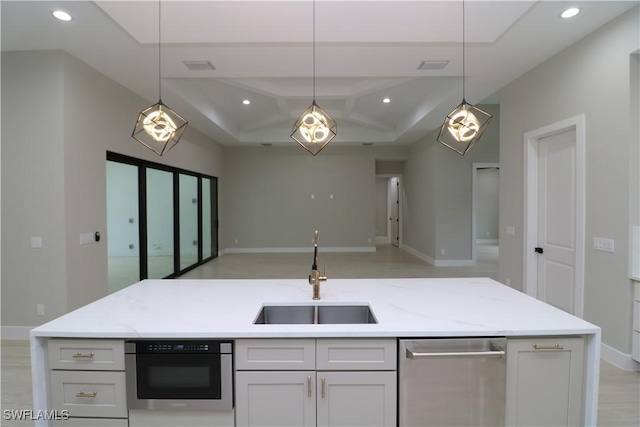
[314, 129]
[465, 125]
[158, 127]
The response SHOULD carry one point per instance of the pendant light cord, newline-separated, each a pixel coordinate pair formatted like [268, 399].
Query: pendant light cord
[159, 52]
[463, 55]
[314, 50]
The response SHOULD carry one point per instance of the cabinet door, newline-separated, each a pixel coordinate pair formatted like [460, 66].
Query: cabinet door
[365, 399]
[544, 382]
[275, 398]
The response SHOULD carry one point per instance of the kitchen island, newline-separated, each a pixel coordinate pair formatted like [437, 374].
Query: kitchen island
[403, 308]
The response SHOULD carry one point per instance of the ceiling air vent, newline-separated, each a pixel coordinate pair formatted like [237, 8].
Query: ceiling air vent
[199, 65]
[431, 65]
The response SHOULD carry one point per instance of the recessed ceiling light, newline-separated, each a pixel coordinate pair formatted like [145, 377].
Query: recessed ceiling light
[62, 15]
[386, 100]
[246, 102]
[570, 13]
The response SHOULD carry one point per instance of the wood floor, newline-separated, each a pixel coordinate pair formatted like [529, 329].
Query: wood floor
[619, 396]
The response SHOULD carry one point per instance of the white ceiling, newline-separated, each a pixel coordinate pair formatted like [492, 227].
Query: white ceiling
[262, 51]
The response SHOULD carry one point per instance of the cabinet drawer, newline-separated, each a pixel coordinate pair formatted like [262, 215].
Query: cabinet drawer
[77, 354]
[89, 393]
[272, 354]
[92, 422]
[356, 354]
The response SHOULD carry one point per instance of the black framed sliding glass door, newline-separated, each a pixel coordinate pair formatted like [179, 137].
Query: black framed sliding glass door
[161, 221]
[209, 218]
[188, 215]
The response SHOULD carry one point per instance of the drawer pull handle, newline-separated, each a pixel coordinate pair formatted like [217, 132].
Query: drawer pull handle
[323, 381]
[308, 386]
[79, 355]
[84, 394]
[548, 347]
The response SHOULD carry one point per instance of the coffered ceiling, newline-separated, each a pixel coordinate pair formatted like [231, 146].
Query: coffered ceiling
[262, 51]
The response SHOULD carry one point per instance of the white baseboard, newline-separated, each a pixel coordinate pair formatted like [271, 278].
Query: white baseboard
[439, 262]
[618, 359]
[416, 253]
[16, 332]
[297, 250]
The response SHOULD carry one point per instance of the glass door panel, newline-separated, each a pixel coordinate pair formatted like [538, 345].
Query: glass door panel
[214, 217]
[188, 206]
[123, 248]
[159, 224]
[207, 220]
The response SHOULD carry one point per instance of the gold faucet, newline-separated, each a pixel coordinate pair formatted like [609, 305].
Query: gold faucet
[315, 278]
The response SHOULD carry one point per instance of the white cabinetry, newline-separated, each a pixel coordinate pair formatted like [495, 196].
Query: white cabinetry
[544, 382]
[87, 379]
[324, 382]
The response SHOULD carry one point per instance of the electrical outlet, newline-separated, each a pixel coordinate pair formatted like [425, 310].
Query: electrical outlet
[40, 309]
[605, 245]
[36, 242]
[442, 251]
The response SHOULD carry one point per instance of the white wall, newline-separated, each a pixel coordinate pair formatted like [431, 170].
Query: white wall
[59, 119]
[592, 77]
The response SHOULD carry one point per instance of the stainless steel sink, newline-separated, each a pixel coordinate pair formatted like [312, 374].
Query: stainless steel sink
[315, 314]
[334, 314]
[286, 314]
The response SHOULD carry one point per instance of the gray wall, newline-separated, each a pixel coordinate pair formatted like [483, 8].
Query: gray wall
[592, 77]
[269, 204]
[438, 195]
[59, 117]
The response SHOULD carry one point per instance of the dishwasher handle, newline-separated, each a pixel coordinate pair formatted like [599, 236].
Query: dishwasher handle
[411, 354]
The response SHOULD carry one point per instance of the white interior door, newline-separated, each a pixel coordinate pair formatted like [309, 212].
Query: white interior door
[556, 247]
[394, 211]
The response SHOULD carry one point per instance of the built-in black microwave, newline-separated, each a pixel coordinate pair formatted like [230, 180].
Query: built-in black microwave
[179, 374]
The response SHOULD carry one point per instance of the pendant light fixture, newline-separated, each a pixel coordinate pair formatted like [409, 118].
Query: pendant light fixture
[314, 129]
[158, 127]
[464, 126]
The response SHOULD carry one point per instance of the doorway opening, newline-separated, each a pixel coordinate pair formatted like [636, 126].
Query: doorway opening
[389, 209]
[485, 210]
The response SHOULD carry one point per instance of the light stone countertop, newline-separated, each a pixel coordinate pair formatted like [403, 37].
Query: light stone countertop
[403, 308]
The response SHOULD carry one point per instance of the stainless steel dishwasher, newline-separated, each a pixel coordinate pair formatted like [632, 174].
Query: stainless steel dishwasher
[452, 382]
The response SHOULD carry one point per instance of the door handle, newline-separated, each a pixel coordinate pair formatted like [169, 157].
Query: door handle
[539, 250]
[411, 354]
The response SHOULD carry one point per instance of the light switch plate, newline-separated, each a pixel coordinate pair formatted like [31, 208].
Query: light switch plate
[511, 231]
[36, 241]
[87, 238]
[605, 245]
